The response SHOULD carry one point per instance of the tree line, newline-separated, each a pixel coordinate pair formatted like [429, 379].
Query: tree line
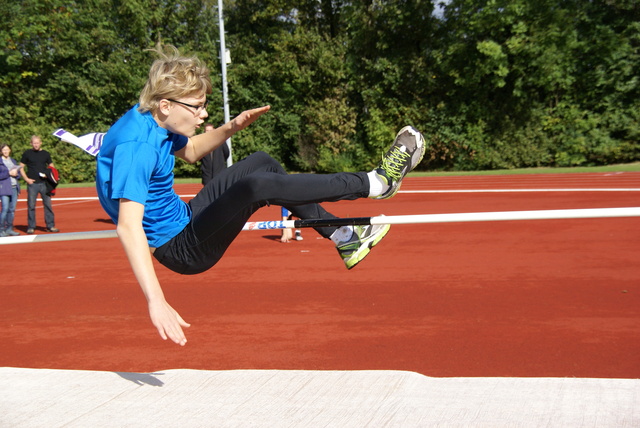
[491, 83]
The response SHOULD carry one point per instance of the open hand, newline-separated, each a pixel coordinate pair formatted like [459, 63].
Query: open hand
[247, 117]
[168, 322]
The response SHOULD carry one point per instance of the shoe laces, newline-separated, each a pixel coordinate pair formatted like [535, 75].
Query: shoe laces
[393, 163]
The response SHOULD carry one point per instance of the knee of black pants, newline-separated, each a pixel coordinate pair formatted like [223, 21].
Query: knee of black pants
[266, 160]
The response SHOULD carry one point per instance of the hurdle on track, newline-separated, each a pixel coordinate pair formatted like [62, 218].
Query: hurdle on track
[353, 221]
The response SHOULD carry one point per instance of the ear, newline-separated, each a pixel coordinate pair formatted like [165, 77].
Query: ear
[164, 106]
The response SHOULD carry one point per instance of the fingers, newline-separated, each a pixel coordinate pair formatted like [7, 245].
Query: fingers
[174, 333]
[253, 115]
[161, 333]
[258, 111]
[182, 322]
[168, 323]
[247, 117]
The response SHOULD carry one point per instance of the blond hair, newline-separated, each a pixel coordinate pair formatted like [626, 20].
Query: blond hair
[173, 75]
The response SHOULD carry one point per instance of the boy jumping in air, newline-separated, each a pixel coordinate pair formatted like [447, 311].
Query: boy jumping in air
[135, 185]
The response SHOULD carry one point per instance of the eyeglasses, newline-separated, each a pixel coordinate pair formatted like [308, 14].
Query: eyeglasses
[198, 108]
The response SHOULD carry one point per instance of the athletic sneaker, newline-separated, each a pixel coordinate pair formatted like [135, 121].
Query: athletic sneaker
[405, 153]
[364, 238]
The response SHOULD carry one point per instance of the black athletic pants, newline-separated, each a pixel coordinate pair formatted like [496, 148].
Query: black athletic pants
[225, 204]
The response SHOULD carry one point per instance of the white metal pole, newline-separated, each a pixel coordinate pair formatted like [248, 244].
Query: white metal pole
[223, 65]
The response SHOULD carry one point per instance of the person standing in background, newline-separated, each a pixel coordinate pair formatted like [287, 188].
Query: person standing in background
[215, 161]
[9, 191]
[288, 234]
[37, 160]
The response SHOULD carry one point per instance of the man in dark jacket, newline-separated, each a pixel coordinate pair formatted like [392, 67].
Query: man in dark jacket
[37, 161]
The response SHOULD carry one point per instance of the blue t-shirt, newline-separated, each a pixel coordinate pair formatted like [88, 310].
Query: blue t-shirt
[136, 162]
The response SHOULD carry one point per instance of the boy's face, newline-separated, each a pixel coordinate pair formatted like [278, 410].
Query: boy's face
[186, 114]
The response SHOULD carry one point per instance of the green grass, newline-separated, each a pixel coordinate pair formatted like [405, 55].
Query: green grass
[629, 167]
[92, 184]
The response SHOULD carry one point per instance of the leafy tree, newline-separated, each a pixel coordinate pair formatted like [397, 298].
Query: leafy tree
[80, 65]
[300, 72]
[491, 83]
[390, 60]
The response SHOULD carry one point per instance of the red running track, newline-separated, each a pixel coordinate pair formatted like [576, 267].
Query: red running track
[520, 298]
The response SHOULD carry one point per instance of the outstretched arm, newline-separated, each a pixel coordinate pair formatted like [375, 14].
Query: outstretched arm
[134, 241]
[200, 145]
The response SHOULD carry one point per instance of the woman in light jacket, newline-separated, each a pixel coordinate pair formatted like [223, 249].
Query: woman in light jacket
[9, 190]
